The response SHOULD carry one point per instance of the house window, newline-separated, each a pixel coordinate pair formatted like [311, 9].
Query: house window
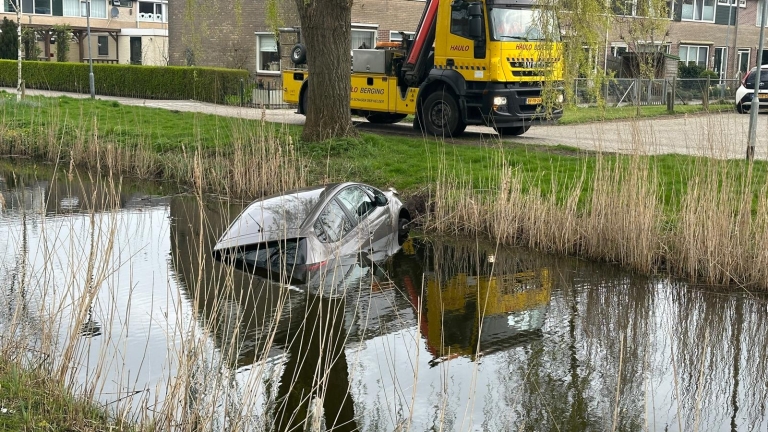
[698, 10]
[103, 46]
[363, 39]
[743, 60]
[10, 6]
[691, 54]
[742, 3]
[395, 36]
[267, 55]
[43, 7]
[617, 49]
[624, 7]
[98, 8]
[153, 11]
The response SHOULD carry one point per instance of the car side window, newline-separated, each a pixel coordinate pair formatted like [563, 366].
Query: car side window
[357, 202]
[332, 224]
[376, 193]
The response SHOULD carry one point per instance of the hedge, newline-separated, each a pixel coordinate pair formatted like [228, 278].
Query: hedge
[149, 82]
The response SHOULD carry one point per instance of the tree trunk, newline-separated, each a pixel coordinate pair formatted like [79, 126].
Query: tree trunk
[326, 26]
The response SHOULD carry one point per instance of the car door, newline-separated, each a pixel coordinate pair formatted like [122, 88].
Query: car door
[370, 219]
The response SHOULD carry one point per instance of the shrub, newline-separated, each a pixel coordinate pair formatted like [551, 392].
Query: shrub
[150, 82]
[9, 42]
[62, 34]
[29, 43]
[690, 71]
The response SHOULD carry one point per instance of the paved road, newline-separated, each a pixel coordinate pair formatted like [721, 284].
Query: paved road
[716, 135]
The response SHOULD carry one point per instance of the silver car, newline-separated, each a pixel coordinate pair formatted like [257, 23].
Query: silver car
[304, 229]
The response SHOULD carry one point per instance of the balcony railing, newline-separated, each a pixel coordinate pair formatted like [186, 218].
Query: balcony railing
[151, 17]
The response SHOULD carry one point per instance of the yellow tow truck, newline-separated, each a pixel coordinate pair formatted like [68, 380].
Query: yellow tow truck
[469, 63]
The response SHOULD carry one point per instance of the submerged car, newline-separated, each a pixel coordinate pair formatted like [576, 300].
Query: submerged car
[306, 228]
[746, 91]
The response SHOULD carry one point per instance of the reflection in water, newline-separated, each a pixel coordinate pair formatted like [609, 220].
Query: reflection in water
[446, 334]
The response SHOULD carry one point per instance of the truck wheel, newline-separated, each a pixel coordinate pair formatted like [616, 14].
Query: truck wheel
[512, 130]
[303, 102]
[299, 54]
[740, 109]
[381, 118]
[440, 115]
[417, 124]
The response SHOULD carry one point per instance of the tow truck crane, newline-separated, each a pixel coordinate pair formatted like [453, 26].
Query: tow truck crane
[469, 63]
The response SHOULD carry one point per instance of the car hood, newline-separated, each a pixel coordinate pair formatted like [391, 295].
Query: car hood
[275, 218]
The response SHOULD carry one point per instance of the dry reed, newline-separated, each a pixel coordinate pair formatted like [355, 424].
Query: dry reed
[718, 235]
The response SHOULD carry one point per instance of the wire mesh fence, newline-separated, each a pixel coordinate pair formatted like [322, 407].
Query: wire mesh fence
[630, 91]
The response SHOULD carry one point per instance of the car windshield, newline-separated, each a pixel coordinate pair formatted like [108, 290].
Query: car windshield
[522, 24]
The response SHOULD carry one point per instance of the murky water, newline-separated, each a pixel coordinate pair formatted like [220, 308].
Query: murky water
[448, 334]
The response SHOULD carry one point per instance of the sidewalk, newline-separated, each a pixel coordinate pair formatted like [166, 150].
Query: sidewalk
[287, 116]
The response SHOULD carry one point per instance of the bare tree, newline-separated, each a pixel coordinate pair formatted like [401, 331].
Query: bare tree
[16, 4]
[326, 26]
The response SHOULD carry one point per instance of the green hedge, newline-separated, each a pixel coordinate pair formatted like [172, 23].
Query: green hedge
[150, 82]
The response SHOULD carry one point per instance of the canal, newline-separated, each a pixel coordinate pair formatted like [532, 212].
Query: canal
[111, 285]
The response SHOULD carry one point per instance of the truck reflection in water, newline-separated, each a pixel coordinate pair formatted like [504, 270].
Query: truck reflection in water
[470, 311]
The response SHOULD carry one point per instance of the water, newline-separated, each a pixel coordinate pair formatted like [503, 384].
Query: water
[448, 334]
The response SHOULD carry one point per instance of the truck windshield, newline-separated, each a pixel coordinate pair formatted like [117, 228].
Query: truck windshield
[521, 24]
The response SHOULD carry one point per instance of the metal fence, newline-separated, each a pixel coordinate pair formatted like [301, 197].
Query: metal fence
[615, 92]
[628, 91]
[268, 95]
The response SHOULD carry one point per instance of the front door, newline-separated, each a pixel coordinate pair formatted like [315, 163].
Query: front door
[135, 50]
[721, 60]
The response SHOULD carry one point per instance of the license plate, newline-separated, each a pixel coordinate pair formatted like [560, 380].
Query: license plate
[537, 101]
[762, 96]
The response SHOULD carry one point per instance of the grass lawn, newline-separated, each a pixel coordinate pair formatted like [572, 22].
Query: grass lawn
[31, 400]
[406, 163]
[575, 115]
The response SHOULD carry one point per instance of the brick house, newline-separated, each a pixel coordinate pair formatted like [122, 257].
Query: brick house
[122, 31]
[704, 32]
[247, 41]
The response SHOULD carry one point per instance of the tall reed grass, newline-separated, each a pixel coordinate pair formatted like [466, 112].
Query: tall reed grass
[254, 159]
[620, 213]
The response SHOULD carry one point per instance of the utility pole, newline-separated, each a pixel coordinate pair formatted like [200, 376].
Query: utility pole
[90, 57]
[755, 105]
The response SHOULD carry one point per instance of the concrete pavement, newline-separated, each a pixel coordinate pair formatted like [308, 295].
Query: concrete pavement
[721, 135]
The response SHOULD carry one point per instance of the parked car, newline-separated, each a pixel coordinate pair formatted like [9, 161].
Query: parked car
[306, 228]
[745, 92]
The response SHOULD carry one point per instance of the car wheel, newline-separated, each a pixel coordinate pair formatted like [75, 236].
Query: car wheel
[512, 130]
[740, 109]
[403, 227]
[440, 114]
[299, 54]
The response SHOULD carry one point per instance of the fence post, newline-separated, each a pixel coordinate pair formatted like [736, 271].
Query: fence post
[637, 96]
[576, 90]
[672, 96]
[242, 92]
[706, 96]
